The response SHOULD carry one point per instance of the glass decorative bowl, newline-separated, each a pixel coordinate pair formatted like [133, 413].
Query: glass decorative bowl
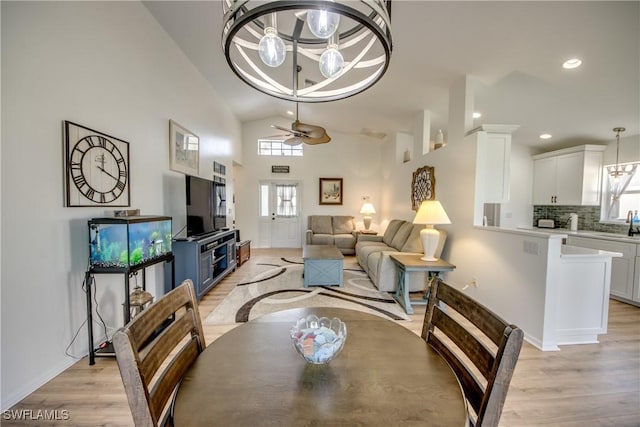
[318, 340]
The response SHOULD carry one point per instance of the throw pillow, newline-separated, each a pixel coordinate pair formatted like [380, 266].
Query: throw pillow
[343, 224]
[320, 224]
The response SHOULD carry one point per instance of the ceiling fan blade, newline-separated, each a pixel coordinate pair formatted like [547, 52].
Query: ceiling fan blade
[281, 128]
[277, 137]
[316, 141]
[311, 131]
[295, 132]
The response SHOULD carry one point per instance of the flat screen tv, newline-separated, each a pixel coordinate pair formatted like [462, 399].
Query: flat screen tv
[206, 206]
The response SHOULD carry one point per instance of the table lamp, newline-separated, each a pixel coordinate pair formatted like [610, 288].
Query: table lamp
[367, 210]
[430, 213]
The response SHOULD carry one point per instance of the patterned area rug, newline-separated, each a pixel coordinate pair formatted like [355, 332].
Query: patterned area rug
[279, 286]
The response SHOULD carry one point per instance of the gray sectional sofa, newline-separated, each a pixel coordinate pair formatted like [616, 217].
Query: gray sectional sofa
[372, 253]
[332, 230]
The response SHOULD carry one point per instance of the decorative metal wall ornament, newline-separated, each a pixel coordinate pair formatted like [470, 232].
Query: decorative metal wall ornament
[423, 186]
[343, 46]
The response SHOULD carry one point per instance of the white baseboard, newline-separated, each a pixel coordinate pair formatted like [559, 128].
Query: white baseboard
[28, 388]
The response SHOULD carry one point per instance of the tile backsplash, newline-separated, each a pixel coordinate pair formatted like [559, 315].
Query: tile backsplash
[588, 218]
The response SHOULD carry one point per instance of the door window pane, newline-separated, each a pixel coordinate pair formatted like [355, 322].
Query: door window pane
[264, 200]
[287, 200]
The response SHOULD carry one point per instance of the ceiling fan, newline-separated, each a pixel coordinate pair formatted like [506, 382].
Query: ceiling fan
[304, 133]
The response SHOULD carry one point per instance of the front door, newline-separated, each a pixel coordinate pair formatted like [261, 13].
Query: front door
[279, 220]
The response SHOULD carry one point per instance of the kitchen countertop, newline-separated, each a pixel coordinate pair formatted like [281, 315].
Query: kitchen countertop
[568, 251]
[562, 233]
[616, 237]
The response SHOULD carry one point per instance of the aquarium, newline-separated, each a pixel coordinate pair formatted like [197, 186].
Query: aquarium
[122, 243]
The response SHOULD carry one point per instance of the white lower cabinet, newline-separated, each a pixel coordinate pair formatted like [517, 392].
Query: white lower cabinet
[625, 270]
[636, 281]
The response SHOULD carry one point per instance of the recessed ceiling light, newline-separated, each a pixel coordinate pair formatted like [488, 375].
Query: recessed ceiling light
[477, 115]
[572, 63]
[545, 136]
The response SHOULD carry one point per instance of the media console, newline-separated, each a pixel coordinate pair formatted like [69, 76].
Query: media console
[205, 260]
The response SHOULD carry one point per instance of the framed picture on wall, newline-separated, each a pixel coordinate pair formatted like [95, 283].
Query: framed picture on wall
[184, 149]
[331, 191]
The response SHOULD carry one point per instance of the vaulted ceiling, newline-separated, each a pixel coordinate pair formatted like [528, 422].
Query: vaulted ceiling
[514, 50]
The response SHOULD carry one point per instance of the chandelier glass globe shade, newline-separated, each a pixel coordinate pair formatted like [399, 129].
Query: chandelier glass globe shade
[271, 49]
[331, 62]
[322, 24]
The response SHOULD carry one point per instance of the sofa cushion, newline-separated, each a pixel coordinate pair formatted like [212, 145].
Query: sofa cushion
[363, 253]
[391, 230]
[344, 240]
[322, 239]
[320, 224]
[401, 236]
[342, 224]
[413, 243]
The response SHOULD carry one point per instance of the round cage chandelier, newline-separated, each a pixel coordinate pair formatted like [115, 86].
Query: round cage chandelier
[344, 47]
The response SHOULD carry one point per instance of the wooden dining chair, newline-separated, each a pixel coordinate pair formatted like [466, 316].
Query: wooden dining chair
[481, 348]
[155, 350]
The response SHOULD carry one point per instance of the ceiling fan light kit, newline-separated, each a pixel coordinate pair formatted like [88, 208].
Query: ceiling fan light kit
[343, 46]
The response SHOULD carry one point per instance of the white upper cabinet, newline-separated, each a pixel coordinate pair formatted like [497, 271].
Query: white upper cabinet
[568, 177]
[493, 155]
[493, 145]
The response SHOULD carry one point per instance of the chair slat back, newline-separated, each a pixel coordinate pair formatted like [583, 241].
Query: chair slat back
[155, 350]
[484, 363]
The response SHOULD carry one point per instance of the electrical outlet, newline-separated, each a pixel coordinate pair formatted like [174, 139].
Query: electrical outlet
[531, 247]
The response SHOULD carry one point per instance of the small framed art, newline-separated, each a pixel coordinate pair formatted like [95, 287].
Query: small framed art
[331, 191]
[184, 148]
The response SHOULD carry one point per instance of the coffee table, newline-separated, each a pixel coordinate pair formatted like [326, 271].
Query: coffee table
[322, 265]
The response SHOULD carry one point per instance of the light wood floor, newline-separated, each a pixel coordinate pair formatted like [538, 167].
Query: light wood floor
[585, 385]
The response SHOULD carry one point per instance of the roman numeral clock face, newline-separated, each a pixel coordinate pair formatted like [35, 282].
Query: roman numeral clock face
[97, 168]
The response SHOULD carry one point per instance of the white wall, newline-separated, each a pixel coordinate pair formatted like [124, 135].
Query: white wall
[510, 281]
[108, 66]
[518, 211]
[355, 159]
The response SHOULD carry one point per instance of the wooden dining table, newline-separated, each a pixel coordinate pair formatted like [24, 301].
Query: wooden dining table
[385, 375]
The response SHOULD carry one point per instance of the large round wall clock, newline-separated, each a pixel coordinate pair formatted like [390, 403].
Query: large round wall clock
[97, 168]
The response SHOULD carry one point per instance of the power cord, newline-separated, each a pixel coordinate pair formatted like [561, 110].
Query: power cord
[85, 288]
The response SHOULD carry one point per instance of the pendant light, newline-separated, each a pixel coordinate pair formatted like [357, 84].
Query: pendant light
[620, 170]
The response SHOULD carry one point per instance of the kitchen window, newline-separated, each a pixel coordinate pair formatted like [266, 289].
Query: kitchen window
[621, 195]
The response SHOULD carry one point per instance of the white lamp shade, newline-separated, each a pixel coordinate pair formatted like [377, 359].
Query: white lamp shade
[367, 209]
[430, 213]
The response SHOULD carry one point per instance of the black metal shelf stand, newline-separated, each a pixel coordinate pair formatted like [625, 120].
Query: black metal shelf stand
[108, 351]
